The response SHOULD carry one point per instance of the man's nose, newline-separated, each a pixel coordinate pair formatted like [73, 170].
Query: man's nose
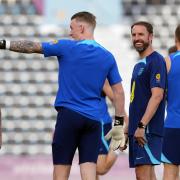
[136, 37]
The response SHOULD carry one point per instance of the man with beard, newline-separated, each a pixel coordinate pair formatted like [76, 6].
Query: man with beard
[147, 104]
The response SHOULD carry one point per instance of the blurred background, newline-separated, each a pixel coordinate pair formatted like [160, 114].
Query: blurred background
[28, 83]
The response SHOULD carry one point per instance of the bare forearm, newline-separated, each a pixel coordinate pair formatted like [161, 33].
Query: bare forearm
[151, 109]
[119, 104]
[119, 100]
[126, 120]
[25, 46]
[108, 90]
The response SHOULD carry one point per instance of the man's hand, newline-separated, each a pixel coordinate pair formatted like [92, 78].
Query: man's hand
[140, 136]
[116, 134]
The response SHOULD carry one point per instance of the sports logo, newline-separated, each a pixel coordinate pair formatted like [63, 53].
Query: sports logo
[54, 42]
[140, 71]
[158, 77]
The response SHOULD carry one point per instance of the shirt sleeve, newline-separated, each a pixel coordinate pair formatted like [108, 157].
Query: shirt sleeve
[158, 73]
[113, 75]
[55, 48]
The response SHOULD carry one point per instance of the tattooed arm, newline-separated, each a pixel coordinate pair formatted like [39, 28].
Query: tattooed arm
[21, 46]
[26, 46]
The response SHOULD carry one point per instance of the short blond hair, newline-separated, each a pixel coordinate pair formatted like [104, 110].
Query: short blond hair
[85, 17]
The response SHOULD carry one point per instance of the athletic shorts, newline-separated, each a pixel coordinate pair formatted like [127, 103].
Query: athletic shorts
[73, 131]
[171, 146]
[150, 154]
[104, 148]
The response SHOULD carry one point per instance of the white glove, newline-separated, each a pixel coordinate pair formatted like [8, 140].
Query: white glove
[117, 137]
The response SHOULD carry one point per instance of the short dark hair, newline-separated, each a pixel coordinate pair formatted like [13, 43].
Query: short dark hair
[172, 49]
[86, 17]
[177, 33]
[148, 26]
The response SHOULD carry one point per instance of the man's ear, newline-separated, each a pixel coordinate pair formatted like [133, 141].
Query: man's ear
[82, 28]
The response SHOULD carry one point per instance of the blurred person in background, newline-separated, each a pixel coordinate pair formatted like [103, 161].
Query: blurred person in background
[172, 49]
[171, 142]
[84, 66]
[147, 104]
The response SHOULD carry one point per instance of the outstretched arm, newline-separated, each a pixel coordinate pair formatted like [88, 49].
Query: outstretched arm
[22, 46]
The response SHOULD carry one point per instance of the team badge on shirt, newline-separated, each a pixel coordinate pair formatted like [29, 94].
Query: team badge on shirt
[140, 71]
[54, 42]
[158, 77]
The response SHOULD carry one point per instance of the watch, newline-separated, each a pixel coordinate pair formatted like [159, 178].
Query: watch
[141, 125]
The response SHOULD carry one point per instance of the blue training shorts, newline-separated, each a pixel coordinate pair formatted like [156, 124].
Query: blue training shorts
[171, 146]
[150, 154]
[73, 131]
[104, 148]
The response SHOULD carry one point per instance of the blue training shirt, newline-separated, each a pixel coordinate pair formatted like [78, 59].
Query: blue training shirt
[173, 94]
[148, 73]
[83, 68]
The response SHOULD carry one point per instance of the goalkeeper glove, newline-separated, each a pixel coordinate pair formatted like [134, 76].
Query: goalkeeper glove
[116, 134]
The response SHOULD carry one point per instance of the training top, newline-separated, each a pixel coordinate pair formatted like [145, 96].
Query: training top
[83, 68]
[173, 93]
[148, 73]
